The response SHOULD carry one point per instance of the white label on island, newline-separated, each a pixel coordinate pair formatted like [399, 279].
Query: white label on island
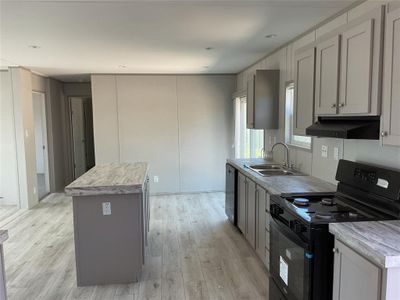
[106, 208]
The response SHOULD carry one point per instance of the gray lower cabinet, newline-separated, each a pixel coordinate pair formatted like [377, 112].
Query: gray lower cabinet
[242, 191]
[355, 278]
[110, 248]
[251, 213]
[261, 199]
[391, 77]
[253, 216]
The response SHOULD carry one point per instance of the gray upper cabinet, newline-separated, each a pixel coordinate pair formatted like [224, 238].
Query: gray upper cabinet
[355, 278]
[261, 199]
[242, 191]
[327, 76]
[356, 69]
[391, 78]
[303, 112]
[360, 69]
[251, 213]
[263, 100]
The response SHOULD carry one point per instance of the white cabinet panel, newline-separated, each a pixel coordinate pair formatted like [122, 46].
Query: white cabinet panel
[327, 76]
[355, 278]
[391, 80]
[356, 67]
[303, 112]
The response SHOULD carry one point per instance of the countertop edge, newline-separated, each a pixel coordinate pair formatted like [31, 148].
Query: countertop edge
[108, 190]
[3, 236]
[362, 247]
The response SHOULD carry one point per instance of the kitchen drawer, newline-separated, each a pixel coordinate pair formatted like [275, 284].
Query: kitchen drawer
[267, 239]
[267, 258]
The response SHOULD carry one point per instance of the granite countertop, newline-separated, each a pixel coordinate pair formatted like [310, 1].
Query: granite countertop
[377, 241]
[3, 236]
[282, 184]
[113, 178]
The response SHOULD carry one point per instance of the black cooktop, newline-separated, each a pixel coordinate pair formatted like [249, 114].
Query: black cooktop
[322, 208]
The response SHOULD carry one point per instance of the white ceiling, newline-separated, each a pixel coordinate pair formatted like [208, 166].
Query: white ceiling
[77, 38]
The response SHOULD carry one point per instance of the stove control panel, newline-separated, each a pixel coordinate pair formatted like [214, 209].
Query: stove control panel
[365, 175]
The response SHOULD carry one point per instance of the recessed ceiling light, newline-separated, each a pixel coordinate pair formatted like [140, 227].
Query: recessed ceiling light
[209, 48]
[271, 36]
[34, 46]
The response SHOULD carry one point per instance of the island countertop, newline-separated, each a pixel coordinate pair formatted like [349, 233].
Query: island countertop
[282, 184]
[378, 241]
[107, 179]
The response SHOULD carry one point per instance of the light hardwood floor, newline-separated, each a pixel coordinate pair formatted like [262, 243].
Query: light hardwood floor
[193, 253]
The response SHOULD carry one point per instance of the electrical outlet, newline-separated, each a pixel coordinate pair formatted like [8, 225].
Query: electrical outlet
[324, 151]
[106, 208]
[336, 153]
[156, 179]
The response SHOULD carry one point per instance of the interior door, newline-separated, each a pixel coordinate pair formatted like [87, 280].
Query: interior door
[356, 67]
[327, 77]
[78, 136]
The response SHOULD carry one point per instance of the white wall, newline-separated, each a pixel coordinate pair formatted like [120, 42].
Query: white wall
[9, 186]
[311, 162]
[25, 139]
[179, 124]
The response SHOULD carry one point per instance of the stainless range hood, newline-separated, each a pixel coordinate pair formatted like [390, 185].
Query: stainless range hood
[346, 127]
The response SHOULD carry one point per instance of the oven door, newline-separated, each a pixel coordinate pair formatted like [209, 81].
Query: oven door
[291, 262]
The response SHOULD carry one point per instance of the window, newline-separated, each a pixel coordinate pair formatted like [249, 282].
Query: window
[249, 143]
[295, 140]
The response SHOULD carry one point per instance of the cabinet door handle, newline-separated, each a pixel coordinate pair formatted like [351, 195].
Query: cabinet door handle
[335, 250]
[341, 104]
[333, 105]
[384, 133]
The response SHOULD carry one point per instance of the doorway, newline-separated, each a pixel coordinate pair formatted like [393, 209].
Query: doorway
[82, 135]
[42, 161]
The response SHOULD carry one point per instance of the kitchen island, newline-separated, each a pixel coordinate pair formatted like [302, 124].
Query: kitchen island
[111, 222]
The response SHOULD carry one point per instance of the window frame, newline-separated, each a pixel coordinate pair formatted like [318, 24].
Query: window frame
[247, 137]
[290, 138]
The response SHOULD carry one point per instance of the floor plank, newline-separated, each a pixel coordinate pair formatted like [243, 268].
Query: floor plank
[193, 253]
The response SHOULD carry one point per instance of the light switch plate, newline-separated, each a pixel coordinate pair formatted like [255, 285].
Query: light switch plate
[156, 179]
[324, 151]
[336, 153]
[106, 208]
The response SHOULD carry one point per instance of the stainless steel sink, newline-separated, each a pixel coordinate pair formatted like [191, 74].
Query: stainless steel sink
[273, 170]
[280, 172]
[265, 167]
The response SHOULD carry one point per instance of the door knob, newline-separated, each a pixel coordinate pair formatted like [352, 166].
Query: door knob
[384, 133]
[335, 250]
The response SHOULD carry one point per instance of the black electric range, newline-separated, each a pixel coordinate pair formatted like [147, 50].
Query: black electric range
[301, 256]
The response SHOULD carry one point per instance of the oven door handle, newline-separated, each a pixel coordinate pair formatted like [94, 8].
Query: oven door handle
[288, 233]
